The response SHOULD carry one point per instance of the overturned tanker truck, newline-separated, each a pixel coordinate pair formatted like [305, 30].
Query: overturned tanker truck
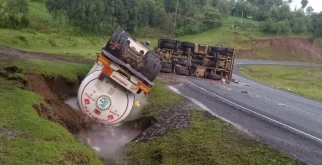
[191, 59]
[124, 68]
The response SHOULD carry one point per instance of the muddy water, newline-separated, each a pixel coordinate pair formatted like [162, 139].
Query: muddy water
[104, 139]
[72, 101]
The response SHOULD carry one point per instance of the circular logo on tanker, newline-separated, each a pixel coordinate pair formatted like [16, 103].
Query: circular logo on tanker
[103, 102]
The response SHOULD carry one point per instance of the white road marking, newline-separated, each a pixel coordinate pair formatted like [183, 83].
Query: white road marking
[304, 99]
[282, 104]
[207, 109]
[292, 128]
[289, 64]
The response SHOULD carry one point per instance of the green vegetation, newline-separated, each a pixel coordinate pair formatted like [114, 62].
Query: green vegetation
[161, 18]
[70, 71]
[204, 141]
[26, 138]
[87, 47]
[161, 99]
[306, 81]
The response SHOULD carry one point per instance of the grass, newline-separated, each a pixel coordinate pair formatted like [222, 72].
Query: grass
[57, 43]
[305, 81]
[204, 141]
[69, 71]
[26, 138]
[160, 99]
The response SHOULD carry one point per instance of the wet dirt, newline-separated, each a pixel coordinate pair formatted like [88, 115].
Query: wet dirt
[55, 109]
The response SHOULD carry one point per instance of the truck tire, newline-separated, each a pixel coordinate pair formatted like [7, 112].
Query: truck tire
[188, 45]
[152, 66]
[117, 35]
[214, 77]
[123, 39]
[212, 53]
[166, 65]
[219, 49]
[170, 41]
[168, 46]
[184, 72]
[166, 70]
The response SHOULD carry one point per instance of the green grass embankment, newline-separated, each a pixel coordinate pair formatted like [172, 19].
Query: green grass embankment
[306, 81]
[204, 141]
[26, 138]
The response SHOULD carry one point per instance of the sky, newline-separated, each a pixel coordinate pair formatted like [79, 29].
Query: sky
[316, 4]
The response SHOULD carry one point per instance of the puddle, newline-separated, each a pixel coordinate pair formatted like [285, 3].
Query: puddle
[107, 140]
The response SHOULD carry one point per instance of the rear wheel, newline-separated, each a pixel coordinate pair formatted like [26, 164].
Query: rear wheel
[123, 40]
[152, 66]
[168, 46]
[188, 45]
[219, 49]
[117, 35]
[166, 70]
[170, 41]
[181, 71]
[166, 65]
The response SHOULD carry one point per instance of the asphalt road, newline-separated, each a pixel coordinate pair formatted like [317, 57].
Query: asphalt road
[281, 119]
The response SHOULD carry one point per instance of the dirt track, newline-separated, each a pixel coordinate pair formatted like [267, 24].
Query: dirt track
[7, 53]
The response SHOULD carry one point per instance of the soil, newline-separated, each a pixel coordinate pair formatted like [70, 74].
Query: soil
[55, 109]
[299, 49]
[170, 79]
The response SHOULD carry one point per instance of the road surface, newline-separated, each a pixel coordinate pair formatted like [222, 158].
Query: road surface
[278, 118]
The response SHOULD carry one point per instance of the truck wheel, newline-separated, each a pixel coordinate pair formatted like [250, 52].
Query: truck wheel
[184, 72]
[212, 53]
[123, 39]
[170, 41]
[168, 46]
[166, 65]
[166, 70]
[188, 45]
[117, 35]
[219, 49]
[214, 77]
[152, 66]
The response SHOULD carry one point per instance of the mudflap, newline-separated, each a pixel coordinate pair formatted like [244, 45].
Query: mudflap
[104, 101]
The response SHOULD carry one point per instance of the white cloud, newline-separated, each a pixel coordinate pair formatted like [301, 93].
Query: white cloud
[316, 4]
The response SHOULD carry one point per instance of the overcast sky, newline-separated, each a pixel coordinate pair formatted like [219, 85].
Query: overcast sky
[316, 4]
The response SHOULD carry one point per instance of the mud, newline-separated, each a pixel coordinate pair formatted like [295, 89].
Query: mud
[55, 109]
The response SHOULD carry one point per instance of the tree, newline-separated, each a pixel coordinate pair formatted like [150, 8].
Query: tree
[212, 19]
[170, 6]
[290, 1]
[309, 10]
[13, 13]
[201, 2]
[316, 21]
[304, 3]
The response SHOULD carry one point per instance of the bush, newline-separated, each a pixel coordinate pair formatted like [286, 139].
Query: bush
[270, 26]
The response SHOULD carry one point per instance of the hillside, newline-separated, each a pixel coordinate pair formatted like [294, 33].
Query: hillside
[48, 34]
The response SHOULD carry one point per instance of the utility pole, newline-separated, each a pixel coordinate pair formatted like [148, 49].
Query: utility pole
[175, 17]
